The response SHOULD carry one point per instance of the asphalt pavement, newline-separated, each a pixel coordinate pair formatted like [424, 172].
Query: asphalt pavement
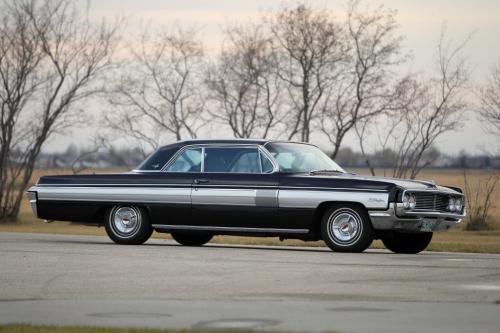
[88, 280]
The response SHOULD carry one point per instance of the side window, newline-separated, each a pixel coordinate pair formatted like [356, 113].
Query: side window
[157, 160]
[232, 160]
[188, 161]
[267, 166]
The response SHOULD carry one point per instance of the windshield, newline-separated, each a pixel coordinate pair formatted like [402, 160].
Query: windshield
[296, 157]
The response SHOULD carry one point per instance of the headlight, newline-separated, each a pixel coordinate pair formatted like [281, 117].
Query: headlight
[451, 204]
[458, 204]
[406, 201]
[409, 201]
[413, 201]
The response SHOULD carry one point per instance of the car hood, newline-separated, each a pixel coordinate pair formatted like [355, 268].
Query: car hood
[408, 184]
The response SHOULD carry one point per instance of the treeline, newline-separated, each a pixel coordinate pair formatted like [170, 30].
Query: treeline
[81, 160]
[387, 159]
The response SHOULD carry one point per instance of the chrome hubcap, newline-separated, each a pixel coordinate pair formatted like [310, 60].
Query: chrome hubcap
[126, 220]
[344, 226]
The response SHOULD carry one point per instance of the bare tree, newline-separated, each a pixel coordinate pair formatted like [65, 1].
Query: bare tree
[479, 201]
[243, 83]
[160, 93]
[423, 112]
[309, 50]
[364, 88]
[490, 102]
[50, 58]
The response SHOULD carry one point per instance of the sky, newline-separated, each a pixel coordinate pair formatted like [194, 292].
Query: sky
[420, 25]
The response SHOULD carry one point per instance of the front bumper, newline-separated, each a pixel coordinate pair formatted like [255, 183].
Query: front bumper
[397, 219]
[33, 199]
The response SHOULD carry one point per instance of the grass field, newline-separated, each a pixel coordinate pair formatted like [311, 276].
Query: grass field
[456, 240]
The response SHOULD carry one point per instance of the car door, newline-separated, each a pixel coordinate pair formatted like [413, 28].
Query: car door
[173, 206]
[236, 189]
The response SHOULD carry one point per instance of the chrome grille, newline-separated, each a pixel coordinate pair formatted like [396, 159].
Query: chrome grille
[431, 201]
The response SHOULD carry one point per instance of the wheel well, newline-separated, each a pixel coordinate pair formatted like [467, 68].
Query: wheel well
[101, 214]
[320, 211]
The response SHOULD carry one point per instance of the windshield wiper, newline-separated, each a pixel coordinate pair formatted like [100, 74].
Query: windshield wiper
[313, 172]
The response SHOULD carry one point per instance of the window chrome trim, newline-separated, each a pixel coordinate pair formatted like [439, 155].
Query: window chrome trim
[259, 148]
[202, 166]
[270, 157]
[285, 141]
[260, 161]
[177, 154]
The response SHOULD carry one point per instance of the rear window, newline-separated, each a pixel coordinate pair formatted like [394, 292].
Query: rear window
[157, 159]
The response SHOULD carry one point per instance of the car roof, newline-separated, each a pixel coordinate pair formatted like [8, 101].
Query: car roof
[188, 142]
[215, 141]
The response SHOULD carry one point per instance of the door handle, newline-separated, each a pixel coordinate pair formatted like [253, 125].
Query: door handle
[201, 181]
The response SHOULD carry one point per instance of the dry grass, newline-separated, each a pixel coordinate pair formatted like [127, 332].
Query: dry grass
[456, 240]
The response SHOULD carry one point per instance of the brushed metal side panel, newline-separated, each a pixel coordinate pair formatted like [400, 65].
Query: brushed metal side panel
[117, 194]
[266, 198]
[223, 196]
[234, 197]
[311, 199]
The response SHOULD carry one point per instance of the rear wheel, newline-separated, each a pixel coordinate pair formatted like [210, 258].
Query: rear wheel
[191, 238]
[412, 243]
[346, 228]
[127, 225]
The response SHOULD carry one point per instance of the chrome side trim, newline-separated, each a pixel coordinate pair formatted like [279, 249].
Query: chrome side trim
[229, 229]
[33, 199]
[153, 185]
[242, 195]
[133, 194]
[312, 199]
[345, 189]
[379, 214]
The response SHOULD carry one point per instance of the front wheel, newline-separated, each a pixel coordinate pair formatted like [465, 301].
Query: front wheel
[410, 243]
[347, 228]
[191, 238]
[127, 225]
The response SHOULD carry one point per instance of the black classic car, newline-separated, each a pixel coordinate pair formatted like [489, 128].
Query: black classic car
[200, 188]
